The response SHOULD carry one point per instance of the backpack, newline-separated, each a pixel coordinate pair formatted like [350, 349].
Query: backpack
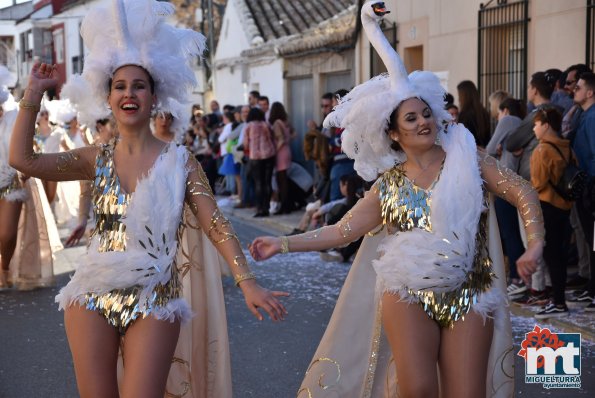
[573, 180]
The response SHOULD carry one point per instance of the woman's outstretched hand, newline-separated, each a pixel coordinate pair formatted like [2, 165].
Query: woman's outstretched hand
[258, 297]
[528, 262]
[264, 247]
[43, 77]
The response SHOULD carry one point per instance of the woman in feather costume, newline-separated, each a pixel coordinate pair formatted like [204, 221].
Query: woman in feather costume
[427, 285]
[150, 262]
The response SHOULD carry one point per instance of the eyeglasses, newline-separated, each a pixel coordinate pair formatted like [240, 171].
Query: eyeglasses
[569, 82]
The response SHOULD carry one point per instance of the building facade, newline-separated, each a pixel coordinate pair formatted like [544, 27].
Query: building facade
[497, 44]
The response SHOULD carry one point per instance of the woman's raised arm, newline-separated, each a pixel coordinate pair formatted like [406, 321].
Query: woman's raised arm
[361, 219]
[77, 164]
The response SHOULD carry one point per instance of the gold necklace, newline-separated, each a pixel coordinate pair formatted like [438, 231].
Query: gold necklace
[424, 169]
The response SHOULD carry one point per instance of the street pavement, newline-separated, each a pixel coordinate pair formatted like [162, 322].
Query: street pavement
[268, 359]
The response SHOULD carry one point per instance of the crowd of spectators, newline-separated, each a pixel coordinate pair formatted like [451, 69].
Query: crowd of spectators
[539, 139]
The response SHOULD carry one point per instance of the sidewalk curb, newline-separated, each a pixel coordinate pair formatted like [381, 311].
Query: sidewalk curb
[564, 325]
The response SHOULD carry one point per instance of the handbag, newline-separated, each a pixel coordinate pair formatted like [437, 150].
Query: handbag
[573, 180]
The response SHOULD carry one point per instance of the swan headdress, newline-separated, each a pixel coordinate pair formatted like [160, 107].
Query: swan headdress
[134, 32]
[364, 113]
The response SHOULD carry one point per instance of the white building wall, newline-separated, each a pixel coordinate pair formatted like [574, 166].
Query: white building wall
[232, 39]
[72, 18]
[268, 79]
[447, 29]
[229, 88]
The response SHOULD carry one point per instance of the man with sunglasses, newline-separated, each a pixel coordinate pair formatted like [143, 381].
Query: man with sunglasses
[572, 117]
[584, 147]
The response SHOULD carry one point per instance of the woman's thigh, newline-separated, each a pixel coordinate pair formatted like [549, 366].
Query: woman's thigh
[415, 342]
[464, 354]
[94, 344]
[10, 212]
[148, 349]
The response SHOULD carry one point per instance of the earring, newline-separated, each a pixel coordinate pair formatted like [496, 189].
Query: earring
[109, 107]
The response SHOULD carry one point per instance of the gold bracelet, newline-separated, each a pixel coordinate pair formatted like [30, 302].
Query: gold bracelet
[284, 244]
[536, 236]
[29, 106]
[35, 91]
[243, 277]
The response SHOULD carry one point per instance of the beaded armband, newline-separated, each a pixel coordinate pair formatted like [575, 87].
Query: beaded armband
[238, 278]
[284, 244]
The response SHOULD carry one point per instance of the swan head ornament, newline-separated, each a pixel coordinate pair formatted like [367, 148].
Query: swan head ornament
[364, 113]
[378, 9]
[135, 32]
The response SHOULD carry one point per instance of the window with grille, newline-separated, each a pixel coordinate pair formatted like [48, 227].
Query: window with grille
[502, 52]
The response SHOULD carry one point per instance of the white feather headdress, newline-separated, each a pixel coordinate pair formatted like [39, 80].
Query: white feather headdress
[60, 111]
[134, 32]
[364, 113]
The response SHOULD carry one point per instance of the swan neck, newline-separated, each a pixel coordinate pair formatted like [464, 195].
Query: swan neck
[392, 61]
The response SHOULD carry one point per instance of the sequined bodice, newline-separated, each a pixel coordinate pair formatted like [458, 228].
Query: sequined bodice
[405, 206]
[109, 203]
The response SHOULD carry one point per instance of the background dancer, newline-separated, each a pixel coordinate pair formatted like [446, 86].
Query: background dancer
[144, 274]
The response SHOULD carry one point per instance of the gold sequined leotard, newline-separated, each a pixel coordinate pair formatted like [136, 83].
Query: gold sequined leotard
[120, 306]
[406, 206]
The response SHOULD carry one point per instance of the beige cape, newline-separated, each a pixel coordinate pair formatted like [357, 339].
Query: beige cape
[353, 359]
[32, 264]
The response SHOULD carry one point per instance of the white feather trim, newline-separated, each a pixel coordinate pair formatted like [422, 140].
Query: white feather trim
[152, 219]
[489, 301]
[177, 309]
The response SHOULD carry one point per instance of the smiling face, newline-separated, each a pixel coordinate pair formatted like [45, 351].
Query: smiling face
[415, 125]
[130, 96]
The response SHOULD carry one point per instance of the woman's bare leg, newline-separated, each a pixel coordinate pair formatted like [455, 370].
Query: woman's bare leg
[9, 225]
[464, 354]
[94, 344]
[415, 343]
[50, 189]
[149, 346]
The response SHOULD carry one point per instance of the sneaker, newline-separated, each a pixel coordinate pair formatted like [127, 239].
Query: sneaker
[532, 298]
[590, 307]
[331, 256]
[581, 298]
[552, 311]
[516, 289]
